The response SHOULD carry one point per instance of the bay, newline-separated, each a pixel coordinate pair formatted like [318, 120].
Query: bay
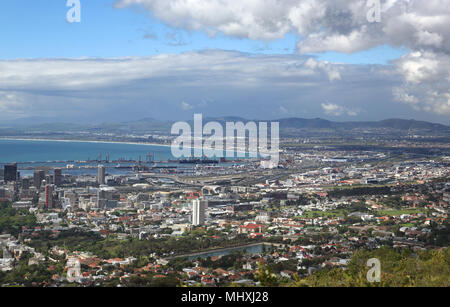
[46, 151]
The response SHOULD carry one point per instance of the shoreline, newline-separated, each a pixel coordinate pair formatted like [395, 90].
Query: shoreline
[84, 141]
[107, 142]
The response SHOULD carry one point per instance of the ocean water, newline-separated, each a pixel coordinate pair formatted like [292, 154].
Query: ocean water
[44, 151]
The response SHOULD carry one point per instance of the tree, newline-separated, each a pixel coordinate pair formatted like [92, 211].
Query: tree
[265, 276]
[399, 268]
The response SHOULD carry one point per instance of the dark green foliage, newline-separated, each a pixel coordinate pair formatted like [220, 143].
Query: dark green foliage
[12, 220]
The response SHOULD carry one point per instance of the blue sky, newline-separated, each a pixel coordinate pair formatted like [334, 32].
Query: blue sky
[38, 29]
[255, 58]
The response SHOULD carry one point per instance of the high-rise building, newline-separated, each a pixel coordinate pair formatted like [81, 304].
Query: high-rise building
[49, 200]
[2, 194]
[198, 212]
[107, 197]
[57, 177]
[101, 174]
[10, 172]
[39, 176]
[25, 183]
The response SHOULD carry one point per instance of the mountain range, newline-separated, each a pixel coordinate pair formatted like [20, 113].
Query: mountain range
[150, 125]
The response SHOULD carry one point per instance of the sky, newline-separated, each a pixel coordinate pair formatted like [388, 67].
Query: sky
[257, 59]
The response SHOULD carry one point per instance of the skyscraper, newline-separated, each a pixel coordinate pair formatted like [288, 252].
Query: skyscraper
[38, 176]
[198, 212]
[49, 201]
[10, 172]
[25, 183]
[101, 174]
[57, 176]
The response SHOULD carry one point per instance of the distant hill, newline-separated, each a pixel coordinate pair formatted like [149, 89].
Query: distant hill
[145, 125]
[400, 124]
[288, 126]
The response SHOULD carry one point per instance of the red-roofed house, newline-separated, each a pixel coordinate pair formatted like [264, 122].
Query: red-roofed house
[251, 228]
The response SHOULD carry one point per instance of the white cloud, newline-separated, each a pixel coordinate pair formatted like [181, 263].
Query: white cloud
[12, 103]
[417, 67]
[427, 82]
[340, 25]
[332, 71]
[337, 110]
[401, 94]
[251, 18]
[283, 110]
[252, 86]
[332, 109]
[86, 73]
[48, 85]
[186, 106]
